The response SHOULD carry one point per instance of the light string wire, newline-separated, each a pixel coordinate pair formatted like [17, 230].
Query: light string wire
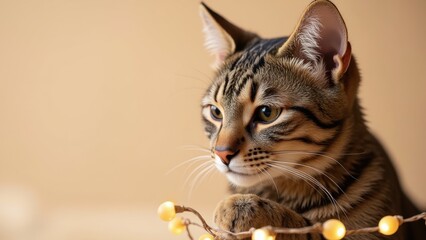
[389, 226]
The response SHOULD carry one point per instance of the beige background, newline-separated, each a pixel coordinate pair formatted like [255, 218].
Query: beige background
[98, 98]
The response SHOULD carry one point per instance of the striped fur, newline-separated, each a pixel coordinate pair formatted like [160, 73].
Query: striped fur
[316, 160]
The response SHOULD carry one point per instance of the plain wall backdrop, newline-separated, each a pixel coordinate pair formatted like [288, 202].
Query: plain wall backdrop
[98, 100]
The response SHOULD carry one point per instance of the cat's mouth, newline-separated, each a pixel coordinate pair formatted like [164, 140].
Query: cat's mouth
[239, 177]
[258, 171]
[240, 173]
[245, 179]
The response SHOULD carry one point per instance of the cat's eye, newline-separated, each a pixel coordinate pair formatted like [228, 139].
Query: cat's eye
[215, 113]
[265, 114]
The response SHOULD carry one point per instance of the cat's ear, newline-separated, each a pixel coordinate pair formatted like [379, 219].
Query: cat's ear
[221, 37]
[321, 38]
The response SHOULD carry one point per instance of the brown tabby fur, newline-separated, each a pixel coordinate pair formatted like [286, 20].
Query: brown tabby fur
[316, 160]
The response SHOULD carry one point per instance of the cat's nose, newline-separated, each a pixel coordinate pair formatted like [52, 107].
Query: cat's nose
[225, 154]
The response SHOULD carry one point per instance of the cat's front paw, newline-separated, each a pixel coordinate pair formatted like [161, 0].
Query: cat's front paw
[240, 212]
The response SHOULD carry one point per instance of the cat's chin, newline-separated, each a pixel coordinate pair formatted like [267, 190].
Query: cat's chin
[238, 178]
[242, 180]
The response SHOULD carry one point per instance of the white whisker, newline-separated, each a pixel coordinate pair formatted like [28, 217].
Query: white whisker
[295, 152]
[269, 176]
[312, 168]
[195, 147]
[190, 162]
[202, 165]
[316, 170]
[313, 181]
[290, 170]
[199, 177]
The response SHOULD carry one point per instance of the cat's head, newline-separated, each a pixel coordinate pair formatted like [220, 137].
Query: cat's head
[275, 102]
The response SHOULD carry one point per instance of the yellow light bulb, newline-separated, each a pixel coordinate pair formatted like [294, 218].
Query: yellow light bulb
[166, 211]
[177, 226]
[206, 237]
[388, 225]
[262, 234]
[333, 229]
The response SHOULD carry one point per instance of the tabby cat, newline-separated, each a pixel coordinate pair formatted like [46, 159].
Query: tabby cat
[287, 130]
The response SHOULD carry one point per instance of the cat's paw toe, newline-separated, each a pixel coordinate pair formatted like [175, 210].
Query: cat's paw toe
[240, 212]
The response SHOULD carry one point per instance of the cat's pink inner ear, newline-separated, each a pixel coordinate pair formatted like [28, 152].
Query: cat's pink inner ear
[321, 38]
[220, 58]
[323, 35]
[333, 43]
[221, 37]
[342, 63]
[216, 40]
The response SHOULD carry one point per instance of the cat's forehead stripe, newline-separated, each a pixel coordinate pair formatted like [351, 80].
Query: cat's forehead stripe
[257, 51]
[245, 67]
[253, 92]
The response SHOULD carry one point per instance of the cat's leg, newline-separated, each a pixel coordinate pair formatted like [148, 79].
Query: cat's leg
[240, 212]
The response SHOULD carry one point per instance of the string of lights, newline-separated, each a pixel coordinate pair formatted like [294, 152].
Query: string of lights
[331, 229]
